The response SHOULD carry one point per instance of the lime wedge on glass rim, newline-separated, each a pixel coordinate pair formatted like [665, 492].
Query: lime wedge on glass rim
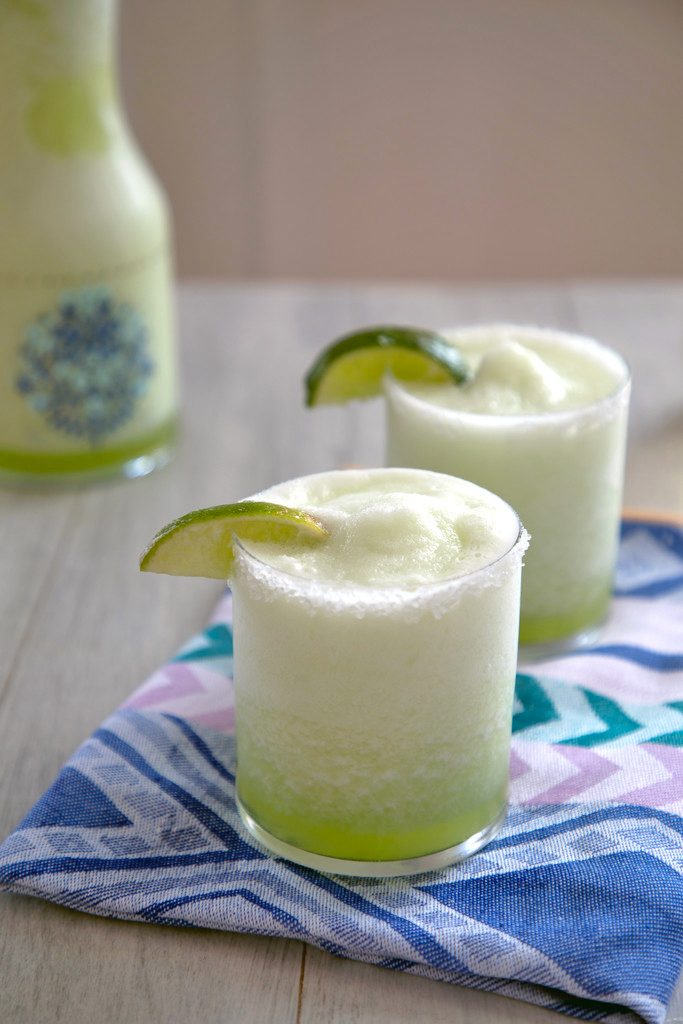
[200, 543]
[353, 366]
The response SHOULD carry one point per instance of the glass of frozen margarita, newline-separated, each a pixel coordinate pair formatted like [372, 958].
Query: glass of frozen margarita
[374, 672]
[542, 423]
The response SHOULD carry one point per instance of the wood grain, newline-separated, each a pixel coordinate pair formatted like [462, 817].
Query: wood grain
[345, 992]
[80, 628]
[82, 969]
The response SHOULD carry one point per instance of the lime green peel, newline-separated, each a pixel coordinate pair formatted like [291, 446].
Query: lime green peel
[200, 543]
[353, 366]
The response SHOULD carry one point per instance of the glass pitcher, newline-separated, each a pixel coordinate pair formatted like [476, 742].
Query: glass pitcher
[88, 382]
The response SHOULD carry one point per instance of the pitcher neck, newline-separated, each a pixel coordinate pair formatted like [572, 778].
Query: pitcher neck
[59, 92]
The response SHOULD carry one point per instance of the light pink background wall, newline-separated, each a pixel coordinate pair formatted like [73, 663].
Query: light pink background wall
[448, 139]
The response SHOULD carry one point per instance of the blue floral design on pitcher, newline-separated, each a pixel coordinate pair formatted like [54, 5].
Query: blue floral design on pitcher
[86, 364]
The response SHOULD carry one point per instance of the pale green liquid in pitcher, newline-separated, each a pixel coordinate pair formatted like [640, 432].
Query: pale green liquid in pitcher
[87, 353]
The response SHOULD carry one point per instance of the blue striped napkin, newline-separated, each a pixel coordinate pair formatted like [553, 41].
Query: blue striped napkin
[576, 906]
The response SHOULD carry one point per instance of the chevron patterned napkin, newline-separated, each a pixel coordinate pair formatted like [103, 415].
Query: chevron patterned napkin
[577, 905]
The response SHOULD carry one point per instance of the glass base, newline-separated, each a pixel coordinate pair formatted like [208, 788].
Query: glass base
[372, 868]
[35, 471]
[575, 627]
[530, 654]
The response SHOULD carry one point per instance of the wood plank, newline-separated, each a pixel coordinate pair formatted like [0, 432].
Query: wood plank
[346, 992]
[40, 521]
[96, 631]
[675, 1011]
[60, 965]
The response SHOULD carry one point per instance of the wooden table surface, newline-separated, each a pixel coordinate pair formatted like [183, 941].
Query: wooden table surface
[80, 627]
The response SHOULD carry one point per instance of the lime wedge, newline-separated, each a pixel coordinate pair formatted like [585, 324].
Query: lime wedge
[353, 366]
[199, 543]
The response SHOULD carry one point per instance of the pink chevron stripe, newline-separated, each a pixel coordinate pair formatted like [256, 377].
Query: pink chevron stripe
[592, 770]
[640, 770]
[220, 719]
[538, 767]
[650, 775]
[180, 689]
[518, 766]
[665, 791]
[198, 694]
[173, 681]
[215, 709]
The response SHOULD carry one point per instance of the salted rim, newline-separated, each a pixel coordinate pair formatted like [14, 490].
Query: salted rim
[266, 581]
[596, 409]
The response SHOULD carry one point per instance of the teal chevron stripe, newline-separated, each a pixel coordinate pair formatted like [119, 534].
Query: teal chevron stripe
[214, 642]
[669, 739]
[537, 707]
[617, 721]
[675, 737]
[551, 711]
[573, 715]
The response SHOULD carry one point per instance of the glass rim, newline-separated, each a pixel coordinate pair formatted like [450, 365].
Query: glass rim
[394, 386]
[321, 592]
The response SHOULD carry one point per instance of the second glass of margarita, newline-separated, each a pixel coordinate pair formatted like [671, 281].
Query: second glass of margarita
[543, 424]
[374, 672]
